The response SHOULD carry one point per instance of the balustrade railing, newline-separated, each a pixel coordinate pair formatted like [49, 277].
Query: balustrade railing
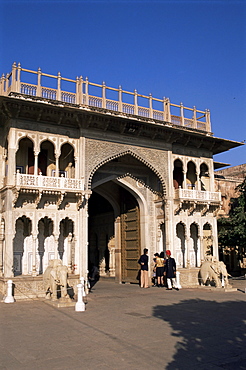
[197, 195]
[80, 95]
[48, 182]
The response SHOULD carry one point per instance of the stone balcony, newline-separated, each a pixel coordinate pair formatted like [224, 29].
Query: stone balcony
[192, 199]
[34, 188]
[48, 183]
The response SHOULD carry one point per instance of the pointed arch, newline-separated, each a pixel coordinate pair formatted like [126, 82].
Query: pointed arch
[134, 155]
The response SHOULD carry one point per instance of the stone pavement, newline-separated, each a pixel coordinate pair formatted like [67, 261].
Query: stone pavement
[125, 327]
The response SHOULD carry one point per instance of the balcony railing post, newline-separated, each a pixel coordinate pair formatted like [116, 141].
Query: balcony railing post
[150, 106]
[194, 118]
[13, 84]
[120, 108]
[7, 82]
[103, 95]
[182, 114]
[86, 91]
[208, 123]
[2, 85]
[58, 96]
[79, 90]
[167, 112]
[135, 102]
[39, 89]
[18, 80]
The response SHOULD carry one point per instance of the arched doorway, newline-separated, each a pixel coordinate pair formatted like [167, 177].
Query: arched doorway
[122, 191]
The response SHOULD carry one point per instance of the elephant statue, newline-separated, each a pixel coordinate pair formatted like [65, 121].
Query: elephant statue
[215, 271]
[55, 275]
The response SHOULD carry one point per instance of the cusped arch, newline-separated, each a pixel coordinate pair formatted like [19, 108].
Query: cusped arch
[181, 223]
[134, 155]
[66, 141]
[22, 137]
[198, 227]
[46, 138]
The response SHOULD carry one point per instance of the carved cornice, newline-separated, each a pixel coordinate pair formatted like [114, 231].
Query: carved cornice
[97, 119]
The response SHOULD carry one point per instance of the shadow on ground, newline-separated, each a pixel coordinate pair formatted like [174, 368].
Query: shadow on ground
[210, 335]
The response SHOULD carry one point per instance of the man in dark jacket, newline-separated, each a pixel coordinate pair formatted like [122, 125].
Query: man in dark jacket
[143, 261]
[170, 271]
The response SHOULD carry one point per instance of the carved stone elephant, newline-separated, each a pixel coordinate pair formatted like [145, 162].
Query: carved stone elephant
[209, 272]
[55, 275]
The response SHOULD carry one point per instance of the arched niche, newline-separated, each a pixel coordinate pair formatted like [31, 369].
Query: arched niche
[181, 234]
[46, 243]
[191, 177]
[46, 159]
[25, 156]
[66, 161]
[207, 240]
[65, 245]
[178, 176]
[194, 237]
[204, 177]
[22, 246]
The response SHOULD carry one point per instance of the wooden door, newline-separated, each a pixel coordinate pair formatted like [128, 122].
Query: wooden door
[130, 245]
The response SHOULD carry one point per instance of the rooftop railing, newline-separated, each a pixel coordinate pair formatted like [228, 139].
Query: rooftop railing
[32, 83]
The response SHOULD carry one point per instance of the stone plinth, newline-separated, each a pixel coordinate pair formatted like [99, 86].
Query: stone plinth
[32, 287]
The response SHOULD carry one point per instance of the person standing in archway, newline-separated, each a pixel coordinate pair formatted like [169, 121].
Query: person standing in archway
[144, 263]
[170, 271]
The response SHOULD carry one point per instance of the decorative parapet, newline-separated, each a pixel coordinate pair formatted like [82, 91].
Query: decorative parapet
[197, 195]
[197, 200]
[152, 108]
[48, 183]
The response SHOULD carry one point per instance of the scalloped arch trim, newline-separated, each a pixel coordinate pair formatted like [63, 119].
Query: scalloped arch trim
[134, 155]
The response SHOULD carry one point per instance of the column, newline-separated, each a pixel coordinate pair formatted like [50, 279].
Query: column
[182, 114]
[208, 123]
[11, 158]
[58, 96]
[13, 85]
[168, 225]
[18, 82]
[120, 99]
[167, 112]
[117, 230]
[36, 163]
[1, 246]
[86, 91]
[57, 164]
[135, 102]
[150, 106]
[8, 253]
[69, 252]
[103, 95]
[34, 256]
[39, 89]
[194, 118]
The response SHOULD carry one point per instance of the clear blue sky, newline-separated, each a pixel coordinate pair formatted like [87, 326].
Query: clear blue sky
[190, 51]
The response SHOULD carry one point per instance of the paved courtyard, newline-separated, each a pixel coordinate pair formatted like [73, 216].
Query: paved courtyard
[125, 327]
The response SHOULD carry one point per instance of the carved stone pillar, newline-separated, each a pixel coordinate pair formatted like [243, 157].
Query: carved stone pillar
[1, 246]
[34, 255]
[69, 252]
[117, 227]
[57, 164]
[36, 163]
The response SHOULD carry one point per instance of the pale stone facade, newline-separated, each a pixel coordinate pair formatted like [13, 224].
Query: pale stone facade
[92, 184]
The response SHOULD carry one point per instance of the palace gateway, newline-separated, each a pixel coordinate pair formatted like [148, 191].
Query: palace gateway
[95, 174]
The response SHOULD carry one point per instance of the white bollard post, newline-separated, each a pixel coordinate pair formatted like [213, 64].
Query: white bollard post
[178, 280]
[82, 282]
[223, 281]
[80, 305]
[9, 298]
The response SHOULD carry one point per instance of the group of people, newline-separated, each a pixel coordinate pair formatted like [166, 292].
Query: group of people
[164, 268]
